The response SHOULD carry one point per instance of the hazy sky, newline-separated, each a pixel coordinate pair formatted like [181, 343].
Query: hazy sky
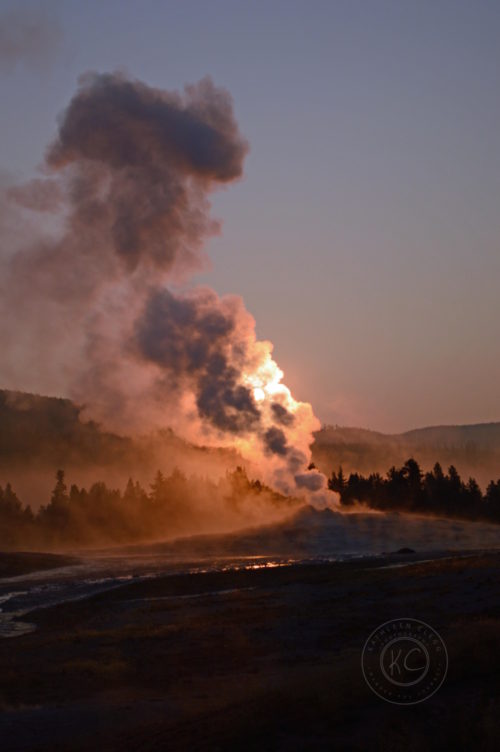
[365, 235]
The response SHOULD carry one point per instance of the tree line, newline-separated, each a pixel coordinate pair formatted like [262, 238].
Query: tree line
[409, 489]
[176, 505]
[173, 505]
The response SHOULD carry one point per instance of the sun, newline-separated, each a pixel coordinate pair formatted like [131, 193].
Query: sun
[259, 394]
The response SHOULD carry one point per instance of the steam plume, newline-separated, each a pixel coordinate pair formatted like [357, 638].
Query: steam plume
[133, 168]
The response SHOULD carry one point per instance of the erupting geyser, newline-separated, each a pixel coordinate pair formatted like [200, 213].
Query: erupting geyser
[109, 318]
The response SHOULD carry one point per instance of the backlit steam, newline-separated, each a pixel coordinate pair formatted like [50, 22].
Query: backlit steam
[106, 316]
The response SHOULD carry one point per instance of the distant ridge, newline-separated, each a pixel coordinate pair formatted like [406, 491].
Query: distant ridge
[52, 429]
[473, 449]
[482, 432]
[51, 432]
[39, 435]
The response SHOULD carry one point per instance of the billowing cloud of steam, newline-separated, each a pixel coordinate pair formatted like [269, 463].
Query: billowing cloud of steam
[129, 176]
[201, 343]
[145, 161]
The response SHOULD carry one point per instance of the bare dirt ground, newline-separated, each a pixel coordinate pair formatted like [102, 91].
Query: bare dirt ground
[263, 659]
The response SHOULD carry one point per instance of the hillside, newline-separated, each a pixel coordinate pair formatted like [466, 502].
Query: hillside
[40, 434]
[473, 449]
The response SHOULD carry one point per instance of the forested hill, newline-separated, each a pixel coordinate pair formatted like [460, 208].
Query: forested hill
[39, 435]
[473, 449]
[49, 429]
[39, 432]
[52, 430]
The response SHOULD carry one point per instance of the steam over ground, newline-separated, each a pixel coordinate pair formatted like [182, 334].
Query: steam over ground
[97, 305]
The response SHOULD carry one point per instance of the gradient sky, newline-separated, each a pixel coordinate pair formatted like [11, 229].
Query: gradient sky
[365, 234]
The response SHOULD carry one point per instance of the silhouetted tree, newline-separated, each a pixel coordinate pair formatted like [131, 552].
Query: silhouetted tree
[337, 481]
[407, 489]
[59, 494]
[492, 500]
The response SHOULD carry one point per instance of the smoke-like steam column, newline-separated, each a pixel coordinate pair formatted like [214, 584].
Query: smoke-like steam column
[129, 176]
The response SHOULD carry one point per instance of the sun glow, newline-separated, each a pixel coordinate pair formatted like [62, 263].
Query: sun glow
[266, 381]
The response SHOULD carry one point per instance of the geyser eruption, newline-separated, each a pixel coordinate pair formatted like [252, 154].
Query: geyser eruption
[109, 317]
[205, 346]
